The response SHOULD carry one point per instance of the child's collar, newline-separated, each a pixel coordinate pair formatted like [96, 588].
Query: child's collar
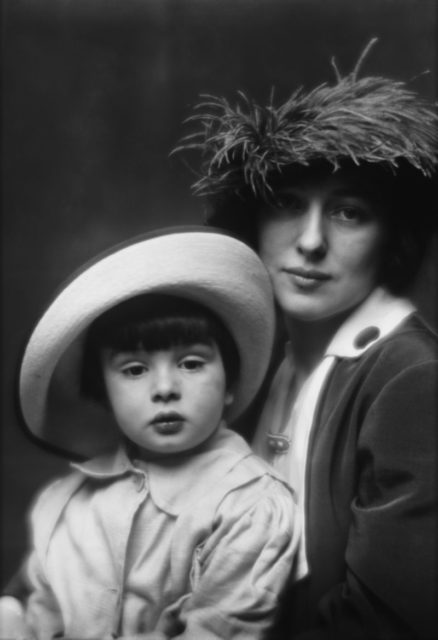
[175, 484]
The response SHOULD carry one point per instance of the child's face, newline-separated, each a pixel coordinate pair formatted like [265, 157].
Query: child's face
[167, 401]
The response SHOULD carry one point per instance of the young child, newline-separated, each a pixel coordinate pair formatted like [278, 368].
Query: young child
[167, 526]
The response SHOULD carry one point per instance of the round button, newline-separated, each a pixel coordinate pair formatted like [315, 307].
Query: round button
[278, 443]
[363, 339]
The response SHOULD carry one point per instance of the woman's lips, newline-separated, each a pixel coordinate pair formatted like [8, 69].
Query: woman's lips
[307, 278]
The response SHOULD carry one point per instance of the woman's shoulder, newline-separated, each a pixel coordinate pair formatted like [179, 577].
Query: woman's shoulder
[406, 354]
[416, 326]
[412, 342]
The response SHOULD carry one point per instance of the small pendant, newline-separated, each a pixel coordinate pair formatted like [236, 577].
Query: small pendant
[278, 443]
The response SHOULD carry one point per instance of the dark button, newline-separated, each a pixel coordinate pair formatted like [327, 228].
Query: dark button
[370, 334]
[278, 443]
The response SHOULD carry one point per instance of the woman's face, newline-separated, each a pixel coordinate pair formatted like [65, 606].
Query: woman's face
[322, 245]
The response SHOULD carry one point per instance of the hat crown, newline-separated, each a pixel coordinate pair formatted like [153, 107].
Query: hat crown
[205, 266]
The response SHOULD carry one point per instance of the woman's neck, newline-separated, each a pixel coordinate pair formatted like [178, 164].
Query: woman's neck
[309, 340]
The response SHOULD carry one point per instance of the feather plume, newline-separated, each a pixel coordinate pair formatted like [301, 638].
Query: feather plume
[364, 120]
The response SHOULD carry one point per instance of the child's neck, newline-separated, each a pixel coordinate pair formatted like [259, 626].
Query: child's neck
[135, 452]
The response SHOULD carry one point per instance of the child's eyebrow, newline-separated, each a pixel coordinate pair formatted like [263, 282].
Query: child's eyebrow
[177, 346]
[123, 354]
[198, 346]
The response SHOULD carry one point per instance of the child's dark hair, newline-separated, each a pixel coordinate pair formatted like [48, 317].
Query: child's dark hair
[153, 322]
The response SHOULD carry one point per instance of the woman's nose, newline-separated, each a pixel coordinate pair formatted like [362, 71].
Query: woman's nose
[312, 241]
[165, 385]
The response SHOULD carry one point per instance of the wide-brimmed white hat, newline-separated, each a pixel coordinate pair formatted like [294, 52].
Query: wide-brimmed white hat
[197, 263]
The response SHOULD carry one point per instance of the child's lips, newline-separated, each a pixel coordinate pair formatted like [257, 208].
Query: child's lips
[168, 423]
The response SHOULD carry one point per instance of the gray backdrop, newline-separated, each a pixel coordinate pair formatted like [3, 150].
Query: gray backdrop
[94, 95]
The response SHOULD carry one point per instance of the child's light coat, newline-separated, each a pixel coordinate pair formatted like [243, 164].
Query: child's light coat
[204, 545]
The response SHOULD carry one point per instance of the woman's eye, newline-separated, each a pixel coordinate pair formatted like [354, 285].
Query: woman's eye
[348, 214]
[192, 364]
[288, 202]
[134, 370]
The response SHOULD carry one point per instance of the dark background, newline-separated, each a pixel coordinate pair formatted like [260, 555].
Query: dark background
[94, 93]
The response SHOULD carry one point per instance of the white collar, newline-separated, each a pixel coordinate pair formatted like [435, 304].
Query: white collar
[376, 317]
[174, 484]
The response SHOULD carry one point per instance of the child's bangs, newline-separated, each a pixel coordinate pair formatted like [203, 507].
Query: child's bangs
[154, 323]
[155, 334]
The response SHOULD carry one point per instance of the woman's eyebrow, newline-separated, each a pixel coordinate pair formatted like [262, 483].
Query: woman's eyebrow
[353, 192]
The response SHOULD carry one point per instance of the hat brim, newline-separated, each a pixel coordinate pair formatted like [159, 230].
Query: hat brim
[203, 265]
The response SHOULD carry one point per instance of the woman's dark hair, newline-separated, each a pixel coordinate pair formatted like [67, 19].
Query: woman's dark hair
[407, 199]
[153, 322]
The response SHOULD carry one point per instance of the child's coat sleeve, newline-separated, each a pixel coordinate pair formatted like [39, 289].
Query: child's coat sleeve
[42, 610]
[241, 568]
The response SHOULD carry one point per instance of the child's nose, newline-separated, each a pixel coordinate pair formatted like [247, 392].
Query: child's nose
[165, 385]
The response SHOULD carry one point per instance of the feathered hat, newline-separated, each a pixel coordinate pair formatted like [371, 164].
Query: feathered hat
[372, 120]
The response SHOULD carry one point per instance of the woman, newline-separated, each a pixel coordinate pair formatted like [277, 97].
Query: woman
[336, 190]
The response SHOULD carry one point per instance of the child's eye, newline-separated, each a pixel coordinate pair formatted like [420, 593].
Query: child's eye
[192, 364]
[134, 370]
